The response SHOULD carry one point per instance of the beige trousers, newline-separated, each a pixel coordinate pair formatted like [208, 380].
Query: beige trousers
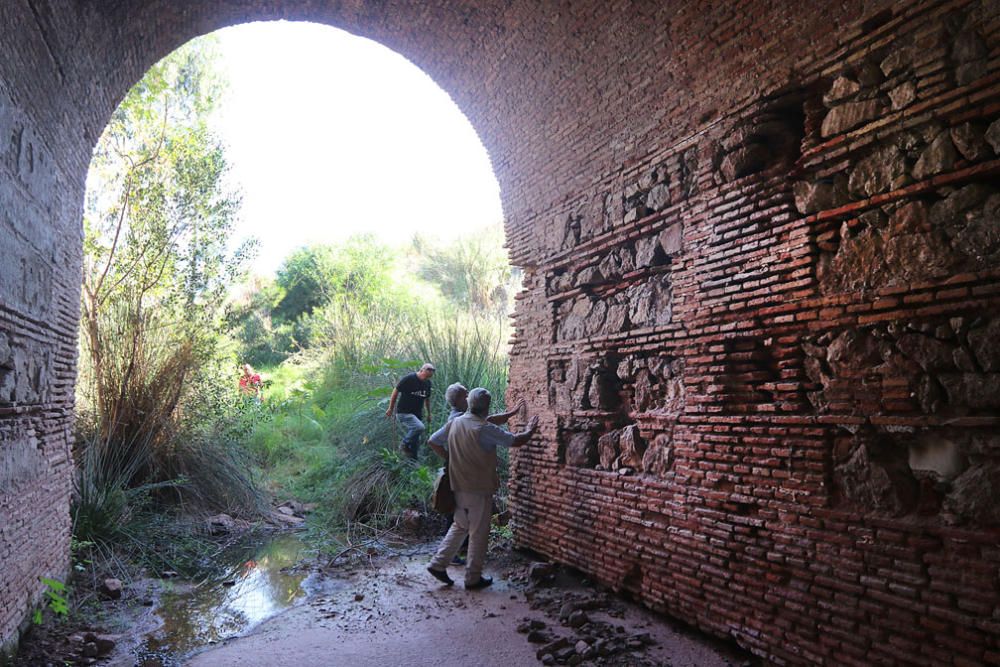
[472, 518]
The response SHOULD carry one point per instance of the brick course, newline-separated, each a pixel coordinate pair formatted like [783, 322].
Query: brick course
[761, 294]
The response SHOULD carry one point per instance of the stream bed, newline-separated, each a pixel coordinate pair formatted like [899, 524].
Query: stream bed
[260, 581]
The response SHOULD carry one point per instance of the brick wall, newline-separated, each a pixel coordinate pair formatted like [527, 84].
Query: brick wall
[769, 352]
[761, 314]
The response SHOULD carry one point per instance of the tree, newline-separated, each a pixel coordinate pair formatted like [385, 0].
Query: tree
[314, 276]
[472, 271]
[157, 222]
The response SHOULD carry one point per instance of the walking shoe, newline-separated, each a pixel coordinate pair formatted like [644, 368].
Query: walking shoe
[482, 583]
[441, 576]
[457, 560]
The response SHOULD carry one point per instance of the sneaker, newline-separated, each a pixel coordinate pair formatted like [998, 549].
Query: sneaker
[482, 583]
[457, 560]
[441, 576]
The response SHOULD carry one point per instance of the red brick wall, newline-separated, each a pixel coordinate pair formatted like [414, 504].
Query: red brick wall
[767, 345]
[761, 314]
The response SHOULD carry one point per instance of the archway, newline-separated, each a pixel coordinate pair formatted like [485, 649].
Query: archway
[744, 233]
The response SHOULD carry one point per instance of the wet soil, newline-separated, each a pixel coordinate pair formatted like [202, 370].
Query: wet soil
[391, 612]
[279, 604]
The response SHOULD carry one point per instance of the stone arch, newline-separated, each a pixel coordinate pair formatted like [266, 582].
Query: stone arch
[822, 309]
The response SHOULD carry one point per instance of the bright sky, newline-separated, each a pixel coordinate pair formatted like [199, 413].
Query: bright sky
[331, 135]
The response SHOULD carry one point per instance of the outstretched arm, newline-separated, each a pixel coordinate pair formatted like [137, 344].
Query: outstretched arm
[525, 435]
[504, 417]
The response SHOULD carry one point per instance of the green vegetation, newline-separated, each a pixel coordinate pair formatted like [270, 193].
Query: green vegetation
[169, 314]
[157, 422]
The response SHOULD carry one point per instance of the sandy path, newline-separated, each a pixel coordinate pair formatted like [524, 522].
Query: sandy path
[407, 618]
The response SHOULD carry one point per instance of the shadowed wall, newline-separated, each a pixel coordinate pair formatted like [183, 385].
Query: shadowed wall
[760, 324]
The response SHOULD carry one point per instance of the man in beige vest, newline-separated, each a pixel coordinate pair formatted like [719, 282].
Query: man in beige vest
[470, 444]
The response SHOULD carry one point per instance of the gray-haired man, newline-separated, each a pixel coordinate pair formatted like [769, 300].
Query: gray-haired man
[471, 442]
[457, 397]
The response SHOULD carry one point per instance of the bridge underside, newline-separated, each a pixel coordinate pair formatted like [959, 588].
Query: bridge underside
[761, 321]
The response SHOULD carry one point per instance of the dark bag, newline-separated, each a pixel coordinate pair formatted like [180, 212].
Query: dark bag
[443, 498]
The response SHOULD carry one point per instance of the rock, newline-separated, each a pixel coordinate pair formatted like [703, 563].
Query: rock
[286, 510]
[632, 446]
[589, 275]
[969, 72]
[876, 482]
[949, 213]
[929, 394]
[885, 169]
[853, 350]
[897, 61]
[111, 589]
[649, 252]
[903, 95]
[811, 196]
[279, 517]
[992, 136]
[659, 456]
[221, 524]
[938, 157]
[972, 391]
[548, 659]
[658, 197]
[981, 237]
[842, 88]
[150, 662]
[650, 302]
[967, 46]
[358, 597]
[607, 448]
[582, 648]
[849, 116]
[616, 264]
[89, 650]
[538, 637]
[577, 618]
[983, 342]
[744, 160]
[564, 655]
[106, 643]
[297, 508]
[575, 318]
[972, 495]
[566, 610]
[552, 647]
[5, 352]
[581, 451]
[672, 239]
[869, 74]
[541, 572]
[932, 355]
[75, 638]
[970, 141]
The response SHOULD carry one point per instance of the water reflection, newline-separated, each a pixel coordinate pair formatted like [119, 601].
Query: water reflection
[255, 589]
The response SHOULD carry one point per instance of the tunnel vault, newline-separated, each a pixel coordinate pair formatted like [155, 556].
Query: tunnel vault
[760, 320]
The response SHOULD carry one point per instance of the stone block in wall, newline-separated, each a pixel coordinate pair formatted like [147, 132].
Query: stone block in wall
[875, 477]
[659, 456]
[581, 451]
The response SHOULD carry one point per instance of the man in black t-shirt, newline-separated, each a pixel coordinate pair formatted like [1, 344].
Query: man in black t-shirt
[412, 392]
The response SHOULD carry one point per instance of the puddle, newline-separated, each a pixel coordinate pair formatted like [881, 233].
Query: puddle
[259, 585]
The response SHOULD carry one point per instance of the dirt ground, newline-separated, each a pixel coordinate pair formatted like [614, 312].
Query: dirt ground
[391, 612]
